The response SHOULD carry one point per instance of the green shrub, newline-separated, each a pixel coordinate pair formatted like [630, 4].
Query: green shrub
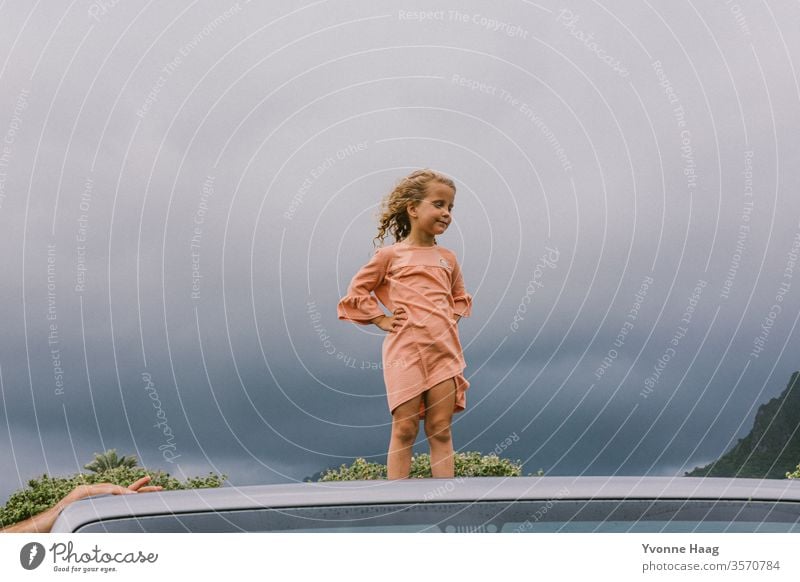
[360, 469]
[473, 464]
[794, 474]
[43, 493]
[469, 464]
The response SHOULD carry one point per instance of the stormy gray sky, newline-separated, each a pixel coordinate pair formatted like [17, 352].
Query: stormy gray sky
[186, 189]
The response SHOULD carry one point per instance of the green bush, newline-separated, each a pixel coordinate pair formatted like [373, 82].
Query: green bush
[794, 474]
[43, 493]
[360, 469]
[469, 464]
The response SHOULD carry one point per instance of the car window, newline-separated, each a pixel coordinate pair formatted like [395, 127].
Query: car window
[491, 517]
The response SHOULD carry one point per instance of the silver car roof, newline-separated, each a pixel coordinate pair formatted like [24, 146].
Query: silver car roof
[422, 491]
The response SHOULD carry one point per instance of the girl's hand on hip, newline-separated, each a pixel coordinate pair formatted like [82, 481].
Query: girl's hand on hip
[394, 322]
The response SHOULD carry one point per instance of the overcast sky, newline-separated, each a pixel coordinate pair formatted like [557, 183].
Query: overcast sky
[186, 190]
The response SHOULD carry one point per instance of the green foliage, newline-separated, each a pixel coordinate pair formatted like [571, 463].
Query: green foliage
[360, 469]
[43, 493]
[473, 464]
[771, 449]
[469, 464]
[109, 460]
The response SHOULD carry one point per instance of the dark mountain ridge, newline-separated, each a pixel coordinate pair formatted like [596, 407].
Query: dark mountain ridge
[772, 448]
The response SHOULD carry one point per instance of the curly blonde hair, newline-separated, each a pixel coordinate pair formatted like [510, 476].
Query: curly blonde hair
[393, 218]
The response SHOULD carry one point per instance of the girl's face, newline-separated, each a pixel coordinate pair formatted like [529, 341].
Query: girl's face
[432, 215]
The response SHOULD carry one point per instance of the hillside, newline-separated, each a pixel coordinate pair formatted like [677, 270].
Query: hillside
[775, 435]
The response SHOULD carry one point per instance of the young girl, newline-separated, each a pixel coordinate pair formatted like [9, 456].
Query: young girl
[420, 283]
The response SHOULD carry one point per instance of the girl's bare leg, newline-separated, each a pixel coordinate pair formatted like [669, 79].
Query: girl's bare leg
[405, 426]
[439, 403]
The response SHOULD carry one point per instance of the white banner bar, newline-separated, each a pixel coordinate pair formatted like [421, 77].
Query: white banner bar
[350, 557]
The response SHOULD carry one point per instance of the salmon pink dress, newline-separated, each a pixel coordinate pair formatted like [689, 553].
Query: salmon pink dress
[426, 350]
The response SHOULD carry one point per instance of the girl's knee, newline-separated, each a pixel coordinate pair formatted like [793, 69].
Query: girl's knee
[438, 429]
[406, 429]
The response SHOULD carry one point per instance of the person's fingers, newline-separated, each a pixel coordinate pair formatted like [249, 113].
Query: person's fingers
[107, 488]
[135, 487]
[83, 491]
[139, 482]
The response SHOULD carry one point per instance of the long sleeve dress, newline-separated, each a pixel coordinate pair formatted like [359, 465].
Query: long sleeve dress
[426, 350]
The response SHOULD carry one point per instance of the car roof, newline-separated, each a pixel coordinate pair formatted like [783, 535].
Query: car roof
[422, 491]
